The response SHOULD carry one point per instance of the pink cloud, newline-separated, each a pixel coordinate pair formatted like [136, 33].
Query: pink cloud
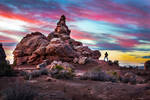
[125, 41]
[81, 35]
[4, 39]
[112, 12]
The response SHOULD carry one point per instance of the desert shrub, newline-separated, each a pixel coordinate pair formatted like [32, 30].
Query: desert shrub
[60, 73]
[70, 70]
[124, 80]
[19, 92]
[22, 73]
[5, 69]
[14, 63]
[97, 75]
[30, 75]
[59, 67]
[110, 63]
[63, 74]
[116, 62]
[96, 69]
[128, 80]
[34, 74]
[115, 75]
[44, 71]
[129, 77]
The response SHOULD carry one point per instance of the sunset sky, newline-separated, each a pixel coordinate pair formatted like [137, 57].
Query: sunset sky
[121, 27]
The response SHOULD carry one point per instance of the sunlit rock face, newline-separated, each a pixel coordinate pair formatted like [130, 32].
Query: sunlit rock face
[2, 53]
[58, 46]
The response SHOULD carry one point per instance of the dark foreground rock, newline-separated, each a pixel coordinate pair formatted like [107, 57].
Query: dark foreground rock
[2, 54]
[147, 65]
[59, 46]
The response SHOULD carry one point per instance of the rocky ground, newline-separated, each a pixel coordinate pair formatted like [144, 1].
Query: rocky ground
[76, 89]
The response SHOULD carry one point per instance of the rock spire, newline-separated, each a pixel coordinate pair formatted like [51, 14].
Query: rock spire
[34, 48]
[62, 27]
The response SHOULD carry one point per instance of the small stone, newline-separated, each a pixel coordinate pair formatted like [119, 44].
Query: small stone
[75, 60]
[50, 79]
[82, 60]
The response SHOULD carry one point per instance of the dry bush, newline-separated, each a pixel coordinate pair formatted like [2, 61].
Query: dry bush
[5, 69]
[97, 75]
[60, 73]
[116, 62]
[34, 74]
[19, 91]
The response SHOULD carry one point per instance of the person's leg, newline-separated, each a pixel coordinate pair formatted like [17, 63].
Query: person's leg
[104, 58]
[107, 59]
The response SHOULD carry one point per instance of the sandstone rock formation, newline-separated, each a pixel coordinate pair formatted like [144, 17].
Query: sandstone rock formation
[147, 65]
[59, 46]
[2, 53]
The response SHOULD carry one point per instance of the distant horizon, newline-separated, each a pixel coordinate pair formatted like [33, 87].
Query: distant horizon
[120, 27]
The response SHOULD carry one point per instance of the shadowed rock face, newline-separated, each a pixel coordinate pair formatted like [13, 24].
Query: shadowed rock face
[35, 47]
[147, 65]
[2, 53]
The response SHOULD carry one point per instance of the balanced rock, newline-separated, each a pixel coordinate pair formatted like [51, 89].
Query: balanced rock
[34, 48]
[2, 53]
[61, 30]
[62, 27]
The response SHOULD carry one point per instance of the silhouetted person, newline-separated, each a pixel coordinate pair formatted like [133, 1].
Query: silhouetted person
[106, 56]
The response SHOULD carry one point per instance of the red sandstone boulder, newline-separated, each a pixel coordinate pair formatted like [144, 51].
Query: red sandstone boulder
[75, 43]
[85, 51]
[96, 54]
[28, 45]
[82, 60]
[21, 60]
[61, 50]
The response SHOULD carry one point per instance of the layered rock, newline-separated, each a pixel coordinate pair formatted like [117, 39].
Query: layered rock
[58, 46]
[2, 54]
[61, 30]
[30, 47]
